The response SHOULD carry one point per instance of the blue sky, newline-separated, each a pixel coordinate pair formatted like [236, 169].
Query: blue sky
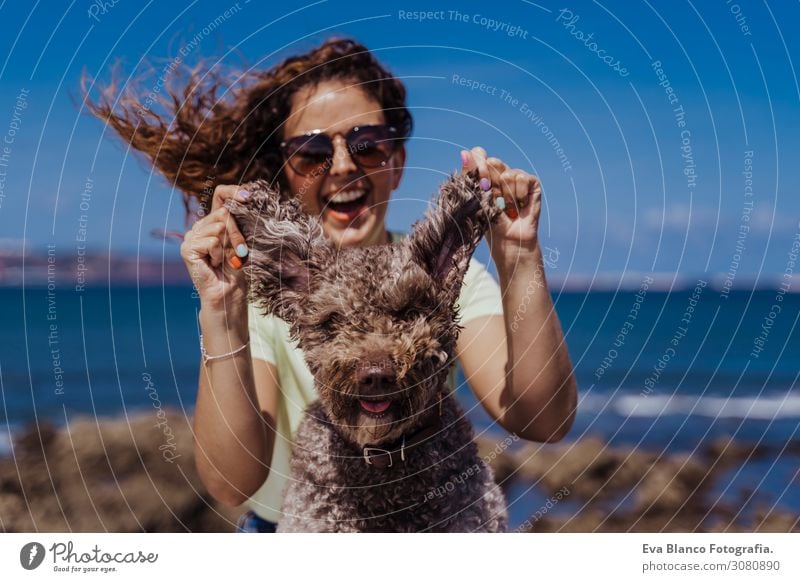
[617, 195]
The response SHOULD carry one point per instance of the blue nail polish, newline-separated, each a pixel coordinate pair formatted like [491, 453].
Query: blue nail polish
[242, 195]
[241, 250]
[501, 203]
[485, 184]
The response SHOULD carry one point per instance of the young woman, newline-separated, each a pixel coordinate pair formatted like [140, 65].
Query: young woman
[330, 127]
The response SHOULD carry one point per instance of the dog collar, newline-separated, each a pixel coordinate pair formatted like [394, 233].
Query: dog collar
[383, 458]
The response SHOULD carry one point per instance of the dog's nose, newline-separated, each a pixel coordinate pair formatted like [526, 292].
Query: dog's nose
[376, 377]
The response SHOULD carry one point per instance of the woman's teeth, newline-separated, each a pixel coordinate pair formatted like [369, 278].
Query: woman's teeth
[349, 196]
[346, 206]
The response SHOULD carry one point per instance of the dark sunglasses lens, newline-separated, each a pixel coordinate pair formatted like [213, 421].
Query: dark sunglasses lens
[371, 146]
[309, 153]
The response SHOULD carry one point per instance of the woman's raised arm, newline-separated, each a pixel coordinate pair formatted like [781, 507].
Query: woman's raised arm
[237, 396]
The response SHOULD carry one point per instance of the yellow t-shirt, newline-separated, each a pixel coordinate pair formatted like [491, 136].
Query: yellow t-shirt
[269, 341]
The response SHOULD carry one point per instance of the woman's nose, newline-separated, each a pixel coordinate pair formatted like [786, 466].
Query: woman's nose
[342, 163]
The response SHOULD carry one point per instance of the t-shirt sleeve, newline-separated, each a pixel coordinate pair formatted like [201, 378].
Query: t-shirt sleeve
[480, 294]
[261, 335]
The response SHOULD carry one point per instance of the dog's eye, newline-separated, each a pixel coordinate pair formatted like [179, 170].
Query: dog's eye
[409, 314]
[418, 307]
[330, 320]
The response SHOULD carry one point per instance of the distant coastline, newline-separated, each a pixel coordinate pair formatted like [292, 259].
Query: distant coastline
[92, 269]
[101, 268]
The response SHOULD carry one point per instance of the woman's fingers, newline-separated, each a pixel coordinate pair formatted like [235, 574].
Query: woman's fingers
[224, 192]
[222, 226]
[212, 227]
[513, 189]
[235, 237]
[489, 169]
[232, 238]
[210, 253]
[202, 249]
[534, 190]
[212, 247]
[475, 159]
[495, 168]
[205, 240]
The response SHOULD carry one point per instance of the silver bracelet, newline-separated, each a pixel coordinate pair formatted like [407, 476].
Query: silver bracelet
[206, 357]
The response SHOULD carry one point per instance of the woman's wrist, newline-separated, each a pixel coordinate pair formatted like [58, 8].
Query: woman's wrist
[208, 357]
[510, 257]
[223, 330]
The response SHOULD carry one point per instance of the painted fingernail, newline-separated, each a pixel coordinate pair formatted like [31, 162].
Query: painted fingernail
[242, 195]
[464, 158]
[485, 184]
[235, 262]
[512, 213]
[500, 201]
[241, 250]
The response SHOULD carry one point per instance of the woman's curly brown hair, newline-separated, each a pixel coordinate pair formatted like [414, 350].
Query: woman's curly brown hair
[201, 140]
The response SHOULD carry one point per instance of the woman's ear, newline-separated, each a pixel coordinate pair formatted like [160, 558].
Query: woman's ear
[398, 164]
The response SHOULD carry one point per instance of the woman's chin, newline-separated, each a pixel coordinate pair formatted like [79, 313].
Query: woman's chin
[353, 234]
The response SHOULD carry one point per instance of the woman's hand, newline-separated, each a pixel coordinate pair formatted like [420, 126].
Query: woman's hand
[517, 228]
[214, 251]
[538, 400]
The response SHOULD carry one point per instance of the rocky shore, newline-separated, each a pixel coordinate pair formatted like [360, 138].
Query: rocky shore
[615, 489]
[121, 475]
[110, 475]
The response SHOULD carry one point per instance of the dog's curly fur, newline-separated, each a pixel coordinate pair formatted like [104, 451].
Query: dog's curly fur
[379, 323]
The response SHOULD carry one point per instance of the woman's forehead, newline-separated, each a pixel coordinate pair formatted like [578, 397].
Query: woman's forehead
[333, 106]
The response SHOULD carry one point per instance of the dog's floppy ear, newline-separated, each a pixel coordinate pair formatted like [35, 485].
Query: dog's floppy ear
[286, 247]
[451, 230]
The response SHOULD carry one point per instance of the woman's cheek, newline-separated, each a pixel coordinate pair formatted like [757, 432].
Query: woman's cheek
[308, 195]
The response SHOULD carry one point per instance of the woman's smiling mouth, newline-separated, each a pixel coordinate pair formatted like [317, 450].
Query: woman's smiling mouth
[346, 206]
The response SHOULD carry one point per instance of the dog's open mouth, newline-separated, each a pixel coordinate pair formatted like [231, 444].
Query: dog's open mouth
[375, 408]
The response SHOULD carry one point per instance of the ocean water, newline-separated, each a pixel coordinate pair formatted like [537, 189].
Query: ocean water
[663, 371]
[678, 379]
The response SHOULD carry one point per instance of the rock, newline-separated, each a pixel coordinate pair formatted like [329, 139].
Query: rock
[726, 451]
[109, 475]
[775, 521]
[629, 490]
[499, 457]
[671, 485]
[588, 468]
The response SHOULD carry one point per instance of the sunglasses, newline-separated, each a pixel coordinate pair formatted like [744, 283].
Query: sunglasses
[370, 146]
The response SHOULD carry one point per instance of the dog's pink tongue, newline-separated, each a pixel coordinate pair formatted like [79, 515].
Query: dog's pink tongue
[376, 407]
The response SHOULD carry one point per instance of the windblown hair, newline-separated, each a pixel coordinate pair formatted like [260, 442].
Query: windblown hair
[220, 128]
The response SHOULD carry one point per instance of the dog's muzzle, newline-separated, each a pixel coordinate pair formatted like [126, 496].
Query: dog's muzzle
[387, 457]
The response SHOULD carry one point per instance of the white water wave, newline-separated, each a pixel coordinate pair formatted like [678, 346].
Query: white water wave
[769, 407]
